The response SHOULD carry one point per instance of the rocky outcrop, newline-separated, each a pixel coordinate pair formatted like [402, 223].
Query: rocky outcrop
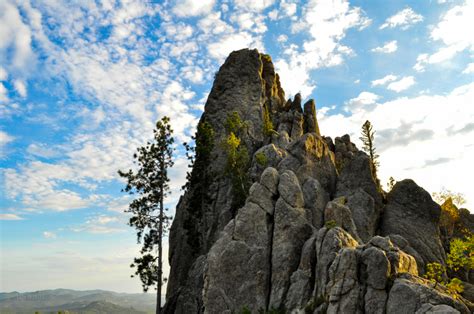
[411, 213]
[315, 232]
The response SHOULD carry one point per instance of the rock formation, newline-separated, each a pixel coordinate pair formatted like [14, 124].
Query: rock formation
[315, 234]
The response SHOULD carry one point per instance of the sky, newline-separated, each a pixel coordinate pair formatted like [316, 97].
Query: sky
[82, 84]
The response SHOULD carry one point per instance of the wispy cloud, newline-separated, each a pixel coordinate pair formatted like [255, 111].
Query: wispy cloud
[10, 217]
[403, 19]
[327, 26]
[402, 84]
[384, 80]
[388, 47]
[450, 31]
[49, 235]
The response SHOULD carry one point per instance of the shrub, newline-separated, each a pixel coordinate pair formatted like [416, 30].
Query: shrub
[435, 272]
[330, 224]
[267, 122]
[461, 254]
[261, 159]
[245, 310]
[455, 287]
[237, 157]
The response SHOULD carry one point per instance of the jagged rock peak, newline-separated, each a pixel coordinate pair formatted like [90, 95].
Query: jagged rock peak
[314, 232]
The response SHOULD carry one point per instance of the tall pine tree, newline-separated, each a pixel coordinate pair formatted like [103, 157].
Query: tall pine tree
[150, 182]
[368, 146]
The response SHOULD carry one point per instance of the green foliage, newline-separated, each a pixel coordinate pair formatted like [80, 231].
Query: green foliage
[237, 157]
[245, 310]
[330, 224]
[234, 123]
[435, 272]
[461, 254]
[267, 122]
[368, 146]
[310, 307]
[261, 159]
[150, 182]
[455, 287]
[199, 156]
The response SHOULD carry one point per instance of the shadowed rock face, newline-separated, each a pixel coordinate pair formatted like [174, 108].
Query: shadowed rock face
[309, 237]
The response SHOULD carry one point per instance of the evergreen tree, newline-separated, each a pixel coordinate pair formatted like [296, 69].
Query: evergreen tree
[150, 182]
[368, 146]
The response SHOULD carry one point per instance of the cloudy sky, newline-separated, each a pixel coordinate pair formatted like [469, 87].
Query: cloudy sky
[81, 86]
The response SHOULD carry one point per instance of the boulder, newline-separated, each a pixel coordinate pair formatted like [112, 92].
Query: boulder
[290, 190]
[410, 294]
[328, 244]
[411, 213]
[341, 215]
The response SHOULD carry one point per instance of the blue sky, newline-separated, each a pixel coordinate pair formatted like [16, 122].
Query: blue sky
[82, 84]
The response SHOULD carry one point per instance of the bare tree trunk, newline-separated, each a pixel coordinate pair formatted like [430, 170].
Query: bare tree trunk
[160, 249]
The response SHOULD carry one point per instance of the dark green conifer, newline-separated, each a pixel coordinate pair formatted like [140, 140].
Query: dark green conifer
[150, 182]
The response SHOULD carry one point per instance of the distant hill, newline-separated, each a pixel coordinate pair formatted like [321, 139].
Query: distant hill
[80, 302]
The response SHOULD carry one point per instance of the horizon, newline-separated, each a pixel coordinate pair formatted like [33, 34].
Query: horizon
[81, 87]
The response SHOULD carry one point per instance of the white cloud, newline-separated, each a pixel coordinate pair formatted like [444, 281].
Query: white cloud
[102, 224]
[412, 132]
[388, 47]
[3, 93]
[186, 8]
[282, 38]
[42, 150]
[273, 14]
[402, 84]
[5, 138]
[49, 235]
[404, 18]
[451, 31]
[384, 80]
[3, 74]
[469, 69]
[229, 43]
[10, 217]
[288, 8]
[14, 35]
[20, 87]
[253, 5]
[327, 24]
[250, 22]
[364, 100]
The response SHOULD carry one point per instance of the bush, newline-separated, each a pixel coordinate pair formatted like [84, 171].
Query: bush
[455, 287]
[435, 272]
[267, 122]
[330, 224]
[461, 254]
[261, 159]
[237, 158]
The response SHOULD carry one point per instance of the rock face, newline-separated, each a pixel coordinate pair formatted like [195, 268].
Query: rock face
[412, 214]
[316, 233]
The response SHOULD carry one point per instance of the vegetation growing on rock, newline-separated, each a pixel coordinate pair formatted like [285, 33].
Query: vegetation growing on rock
[237, 156]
